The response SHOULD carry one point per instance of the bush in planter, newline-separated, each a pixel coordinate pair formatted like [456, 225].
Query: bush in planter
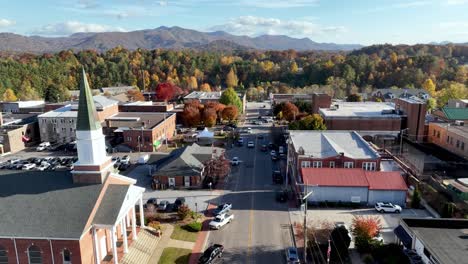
[193, 227]
[155, 224]
[183, 211]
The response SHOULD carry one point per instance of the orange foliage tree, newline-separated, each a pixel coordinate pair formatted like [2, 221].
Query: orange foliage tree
[230, 113]
[290, 111]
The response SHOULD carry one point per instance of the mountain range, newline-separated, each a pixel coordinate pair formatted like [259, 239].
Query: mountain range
[162, 37]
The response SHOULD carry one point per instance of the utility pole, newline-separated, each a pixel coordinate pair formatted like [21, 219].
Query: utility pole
[305, 220]
[401, 141]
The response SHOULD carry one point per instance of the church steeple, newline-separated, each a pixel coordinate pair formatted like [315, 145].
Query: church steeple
[87, 116]
[93, 165]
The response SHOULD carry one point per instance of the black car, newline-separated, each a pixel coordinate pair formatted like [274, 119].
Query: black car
[260, 136]
[232, 125]
[178, 202]
[153, 201]
[277, 177]
[281, 196]
[123, 166]
[211, 253]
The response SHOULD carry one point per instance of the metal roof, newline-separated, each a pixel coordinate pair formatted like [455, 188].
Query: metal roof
[324, 144]
[455, 113]
[87, 115]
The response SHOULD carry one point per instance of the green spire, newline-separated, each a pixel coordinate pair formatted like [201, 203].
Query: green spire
[87, 115]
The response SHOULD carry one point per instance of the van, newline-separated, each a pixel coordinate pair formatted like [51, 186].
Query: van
[143, 159]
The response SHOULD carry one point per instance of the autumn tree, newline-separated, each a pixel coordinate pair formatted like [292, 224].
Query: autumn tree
[231, 79]
[192, 83]
[430, 87]
[230, 113]
[309, 122]
[135, 95]
[230, 97]
[215, 169]
[56, 93]
[293, 68]
[205, 87]
[364, 230]
[209, 117]
[191, 116]
[452, 90]
[354, 98]
[9, 95]
[167, 91]
[290, 111]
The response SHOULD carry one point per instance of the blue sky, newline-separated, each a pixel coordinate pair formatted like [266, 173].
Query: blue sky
[340, 21]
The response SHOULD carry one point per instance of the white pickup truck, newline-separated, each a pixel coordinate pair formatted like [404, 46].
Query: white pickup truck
[221, 220]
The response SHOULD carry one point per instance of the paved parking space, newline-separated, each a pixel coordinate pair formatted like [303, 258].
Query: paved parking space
[389, 221]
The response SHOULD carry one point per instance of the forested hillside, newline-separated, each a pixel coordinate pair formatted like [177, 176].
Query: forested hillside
[33, 76]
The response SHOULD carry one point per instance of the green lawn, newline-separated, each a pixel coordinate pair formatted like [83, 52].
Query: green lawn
[172, 255]
[181, 234]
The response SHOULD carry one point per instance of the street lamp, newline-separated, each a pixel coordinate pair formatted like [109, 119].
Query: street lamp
[305, 221]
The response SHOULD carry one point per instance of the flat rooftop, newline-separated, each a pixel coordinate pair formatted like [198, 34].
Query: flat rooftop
[445, 239]
[462, 131]
[203, 95]
[324, 144]
[360, 110]
[135, 120]
[18, 119]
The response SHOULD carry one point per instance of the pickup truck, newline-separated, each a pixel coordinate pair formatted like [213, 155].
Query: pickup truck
[221, 220]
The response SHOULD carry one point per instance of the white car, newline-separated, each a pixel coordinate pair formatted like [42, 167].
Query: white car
[387, 208]
[43, 146]
[251, 144]
[273, 153]
[28, 166]
[378, 237]
[125, 159]
[221, 220]
[235, 161]
[44, 166]
[222, 209]
[249, 130]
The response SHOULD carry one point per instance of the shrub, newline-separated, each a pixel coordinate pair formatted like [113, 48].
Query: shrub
[193, 227]
[183, 211]
[155, 224]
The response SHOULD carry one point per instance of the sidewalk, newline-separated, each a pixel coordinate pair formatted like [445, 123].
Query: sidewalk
[201, 239]
[163, 243]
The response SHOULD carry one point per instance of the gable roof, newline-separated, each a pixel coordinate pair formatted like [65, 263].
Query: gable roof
[188, 161]
[87, 115]
[340, 177]
[111, 203]
[44, 204]
[324, 144]
[453, 113]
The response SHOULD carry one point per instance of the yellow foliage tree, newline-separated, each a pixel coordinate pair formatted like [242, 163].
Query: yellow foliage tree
[9, 95]
[231, 79]
[430, 87]
[192, 83]
[205, 87]
[294, 68]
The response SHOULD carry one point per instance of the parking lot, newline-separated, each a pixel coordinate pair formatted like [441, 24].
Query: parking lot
[389, 221]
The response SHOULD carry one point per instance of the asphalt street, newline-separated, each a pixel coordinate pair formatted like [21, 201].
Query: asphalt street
[260, 231]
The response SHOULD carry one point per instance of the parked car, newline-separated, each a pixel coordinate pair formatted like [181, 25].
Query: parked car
[260, 136]
[240, 141]
[123, 166]
[273, 153]
[222, 209]
[281, 150]
[281, 196]
[232, 125]
[378, 237]
[44, 166]
[251, 144]
[264, 148]
[277, 177]
[249, 130]
[43, 146]
[13, 161]
[387, 208]
[143, 159]
[178, 203]
[221, 220]
[213, 252]
[153, 201]
[125, 159]
[292, 257]
[163, 205]
[235, 161]
[28, 166]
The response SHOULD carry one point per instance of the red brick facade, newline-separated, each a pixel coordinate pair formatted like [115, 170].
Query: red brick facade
[179, 181]
[363, 124]
[416, 113]
[155, 107]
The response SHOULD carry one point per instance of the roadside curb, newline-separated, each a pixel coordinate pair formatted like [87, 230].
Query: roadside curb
[202, 237]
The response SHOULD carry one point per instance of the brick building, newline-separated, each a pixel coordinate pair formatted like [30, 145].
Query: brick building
[82, 216]
[185, 167]
[451, 137]
[205, 97]
[366, 118]
[329, 149]
[317, 100]
[413, 112]
[141, 131]
[59, 125]
[17, 131]
[23, 107]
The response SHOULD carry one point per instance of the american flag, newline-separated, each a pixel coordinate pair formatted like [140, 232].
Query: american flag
[328, 251]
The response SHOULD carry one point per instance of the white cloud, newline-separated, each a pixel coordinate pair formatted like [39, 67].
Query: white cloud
[254, 26]
[163, 3]
[277, 3]
[6, 23]
[87, 4]
[71, 27]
